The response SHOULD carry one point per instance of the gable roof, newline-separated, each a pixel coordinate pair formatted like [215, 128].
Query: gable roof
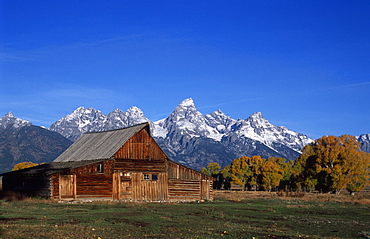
[99, 145]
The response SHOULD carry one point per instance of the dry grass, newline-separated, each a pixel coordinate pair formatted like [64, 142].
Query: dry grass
[362, 198]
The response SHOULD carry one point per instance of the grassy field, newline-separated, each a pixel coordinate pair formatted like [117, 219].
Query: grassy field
[231, 215]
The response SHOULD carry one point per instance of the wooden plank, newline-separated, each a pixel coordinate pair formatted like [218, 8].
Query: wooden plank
[116, 181]
[67, 186]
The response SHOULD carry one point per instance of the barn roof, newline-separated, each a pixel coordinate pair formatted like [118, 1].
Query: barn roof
[51, 168]
[99, 145]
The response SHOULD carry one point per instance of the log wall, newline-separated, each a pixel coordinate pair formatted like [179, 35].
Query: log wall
[83, 182]
[28, 184]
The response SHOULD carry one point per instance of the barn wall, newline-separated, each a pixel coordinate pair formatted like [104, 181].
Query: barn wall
[93, 186]
[177, 171]
[149, 190]
[55, 186]
[183, 190]
[186, 184]
[141, 146]
[87, 182]
[140, 156]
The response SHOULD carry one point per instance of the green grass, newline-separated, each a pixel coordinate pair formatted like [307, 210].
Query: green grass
[258, 218]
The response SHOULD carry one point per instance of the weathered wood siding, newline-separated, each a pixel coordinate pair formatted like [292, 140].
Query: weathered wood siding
[84, 182]
[141, 146]
[149, 190]
[55, 186]
[183, 190]
[186, 184]
[67, 186]
[140, 156]
[178, 171]
[94, 186]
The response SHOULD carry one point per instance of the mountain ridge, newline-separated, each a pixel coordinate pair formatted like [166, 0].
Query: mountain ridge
[191, 138]
[21, 141]
[188, 136]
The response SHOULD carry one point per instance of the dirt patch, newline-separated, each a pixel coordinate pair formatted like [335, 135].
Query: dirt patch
[130, 222]
[315, 213]
[126, 214]
[14, 219]
[362, 198]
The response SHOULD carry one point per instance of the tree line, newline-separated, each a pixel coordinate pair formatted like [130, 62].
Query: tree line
[328, 164]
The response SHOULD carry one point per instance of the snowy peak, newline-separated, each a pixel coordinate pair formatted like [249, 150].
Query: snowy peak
[84, 120]
[256, 116]
[80, 121]
[119, 119]
[187, 103]
[220, 121]
[9, 115]
[256, 127]
[186, 110]
[9, 120]
[187, 120]
[257, 120]
[135, 116]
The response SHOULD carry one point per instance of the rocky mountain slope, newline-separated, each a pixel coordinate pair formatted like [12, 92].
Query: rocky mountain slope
[20, 141]
[364, 139]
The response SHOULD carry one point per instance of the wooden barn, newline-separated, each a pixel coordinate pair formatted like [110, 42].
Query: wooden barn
[123, 164]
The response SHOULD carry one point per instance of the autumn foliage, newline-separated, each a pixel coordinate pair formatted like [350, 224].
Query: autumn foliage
[23, 165]
[329, 164]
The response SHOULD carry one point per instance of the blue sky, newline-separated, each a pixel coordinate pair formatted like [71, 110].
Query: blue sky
[303, 64]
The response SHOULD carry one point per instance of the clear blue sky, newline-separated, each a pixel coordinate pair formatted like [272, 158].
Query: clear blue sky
[303, 64]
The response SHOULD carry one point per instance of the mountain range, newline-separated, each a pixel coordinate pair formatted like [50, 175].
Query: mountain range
[191, 138]
[20, 141]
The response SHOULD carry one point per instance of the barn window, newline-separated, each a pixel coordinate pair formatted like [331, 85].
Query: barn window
[100, 168]
[154, 176]
[146, 177]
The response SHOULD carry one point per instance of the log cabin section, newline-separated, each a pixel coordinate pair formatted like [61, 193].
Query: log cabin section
[124, 164]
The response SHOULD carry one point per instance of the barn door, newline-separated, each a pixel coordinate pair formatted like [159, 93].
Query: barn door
[67, 186]
[126, 186]
[121, 186]
[205, 189]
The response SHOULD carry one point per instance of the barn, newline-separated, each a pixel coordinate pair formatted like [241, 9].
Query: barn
[123, 164]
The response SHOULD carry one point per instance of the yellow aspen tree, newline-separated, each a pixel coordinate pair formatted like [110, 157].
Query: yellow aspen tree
[337, 163]
[240, 171]
[360, 173]
[271, 173]
[255, 164]
[303, 173]
[211, 169]
[23, 165]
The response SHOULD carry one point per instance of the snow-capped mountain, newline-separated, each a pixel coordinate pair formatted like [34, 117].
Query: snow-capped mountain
[221, 139]
[186, 135]
[80, 121]
[9, 120]
[257, 128]
[192, 138]
[84, 120]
